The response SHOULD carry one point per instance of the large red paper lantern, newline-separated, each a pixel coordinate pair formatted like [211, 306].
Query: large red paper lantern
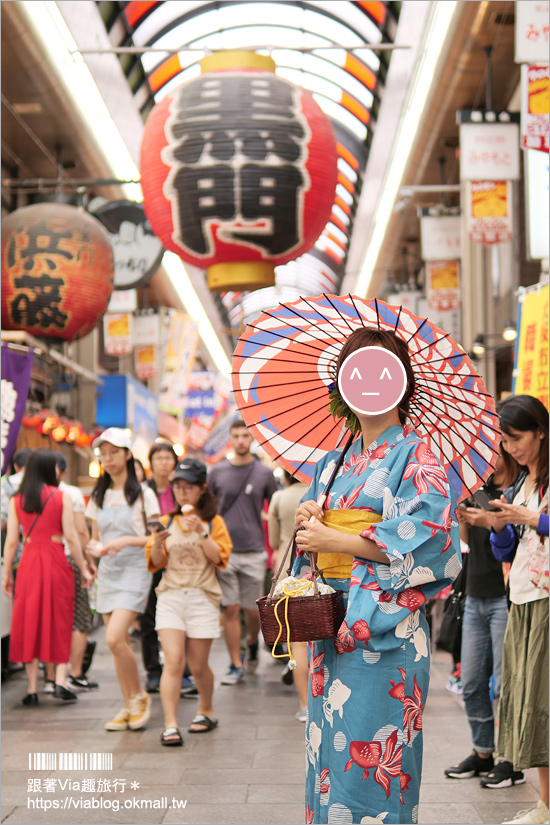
[238, 170]
[57, 271]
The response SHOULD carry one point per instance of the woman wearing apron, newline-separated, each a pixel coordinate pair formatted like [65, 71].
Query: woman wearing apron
[119, 509]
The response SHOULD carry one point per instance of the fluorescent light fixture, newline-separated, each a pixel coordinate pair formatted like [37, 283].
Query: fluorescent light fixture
[50, 29]
[183, 286]
[425, 77]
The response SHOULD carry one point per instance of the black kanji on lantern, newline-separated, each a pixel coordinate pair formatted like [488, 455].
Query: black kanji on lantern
[43, 241]
[39, 304]
[238, 155]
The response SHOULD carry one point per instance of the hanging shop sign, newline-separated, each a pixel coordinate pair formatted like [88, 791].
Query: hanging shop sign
[146, 327]
[489, 217]
[488, 150]
[217, 443]
[443, 285]
[538, 209]
[124, 300]
[440, 237]
[57, 271]
[531, 366]
[118, 333]
[16, 378]
[146, 362]
[534, 108]
[179, 354]
[531, 31]
[137, 250]
[449, 320]
[238, 170]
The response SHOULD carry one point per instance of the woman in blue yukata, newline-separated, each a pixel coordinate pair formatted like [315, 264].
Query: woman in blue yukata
[387, 535]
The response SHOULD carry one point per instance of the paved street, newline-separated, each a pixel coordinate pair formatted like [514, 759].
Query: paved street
[249, 770]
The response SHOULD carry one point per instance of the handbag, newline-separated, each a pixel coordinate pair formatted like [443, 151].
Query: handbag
[303, 618]
[449, 634]
[538, 561]
[450, 630]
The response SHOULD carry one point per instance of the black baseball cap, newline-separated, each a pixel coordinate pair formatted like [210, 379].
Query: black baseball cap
[191, 470]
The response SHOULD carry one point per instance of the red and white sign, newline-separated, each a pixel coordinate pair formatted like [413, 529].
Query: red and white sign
[534, 108]
[532, 31]
[443, 285]
[146, 362]
[489, 205]
[147, 329]
[440, 237]
[489, 151]
[118, 333]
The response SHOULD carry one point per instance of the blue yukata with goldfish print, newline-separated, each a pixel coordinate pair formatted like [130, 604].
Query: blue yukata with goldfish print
[368, 687]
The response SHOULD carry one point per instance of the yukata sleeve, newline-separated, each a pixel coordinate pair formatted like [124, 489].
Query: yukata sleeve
[419, 532]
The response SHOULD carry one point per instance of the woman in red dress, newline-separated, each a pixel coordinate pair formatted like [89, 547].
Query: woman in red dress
[43, 604]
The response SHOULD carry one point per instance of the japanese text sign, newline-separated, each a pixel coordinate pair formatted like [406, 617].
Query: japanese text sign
[489, 215]
[538, 210]
[534, 108]
[16, 379]
[181, 345]
[443, 285]
[440, 237]
[489, 151]
[117, 333]
[532, 31]
[531, 367]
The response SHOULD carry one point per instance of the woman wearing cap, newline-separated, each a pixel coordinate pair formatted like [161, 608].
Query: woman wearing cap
[194, 544]
[119, 509]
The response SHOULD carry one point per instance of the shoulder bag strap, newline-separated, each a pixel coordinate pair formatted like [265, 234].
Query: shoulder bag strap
[26, 538]
[143, 515]
[226, 507]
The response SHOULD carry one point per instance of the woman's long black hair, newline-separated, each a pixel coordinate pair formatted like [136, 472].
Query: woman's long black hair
[39, 472]
[524, 412]
[132, 487]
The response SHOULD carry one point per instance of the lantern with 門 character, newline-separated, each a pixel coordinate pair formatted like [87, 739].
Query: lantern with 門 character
[238, 170]
[57, 271]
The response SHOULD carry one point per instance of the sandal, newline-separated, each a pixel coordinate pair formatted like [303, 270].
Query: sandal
[171, 737]
[206, 724]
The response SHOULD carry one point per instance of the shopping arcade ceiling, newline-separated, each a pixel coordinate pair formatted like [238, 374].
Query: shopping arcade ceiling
[307, 46]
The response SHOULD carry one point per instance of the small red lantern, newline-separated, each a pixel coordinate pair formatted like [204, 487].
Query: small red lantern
[238, 170]
[57, 271]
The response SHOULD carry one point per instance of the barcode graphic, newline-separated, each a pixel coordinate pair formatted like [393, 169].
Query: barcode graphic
[70, 761]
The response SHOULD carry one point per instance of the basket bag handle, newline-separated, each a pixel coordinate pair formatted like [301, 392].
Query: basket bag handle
[292, 543]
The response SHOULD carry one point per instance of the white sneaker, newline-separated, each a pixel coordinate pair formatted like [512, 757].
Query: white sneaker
[534, 816]
[301, 715]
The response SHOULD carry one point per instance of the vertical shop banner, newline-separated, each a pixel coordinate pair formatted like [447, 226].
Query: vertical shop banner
[181, 345]
[531, 35]
[443, 285]
[16, 370]
[489, 151]
[534, 108]
[118, 333]
[146, 344]
[538, 204]
[207, 396]
[531, 367]
[440, 237]
[489, 216]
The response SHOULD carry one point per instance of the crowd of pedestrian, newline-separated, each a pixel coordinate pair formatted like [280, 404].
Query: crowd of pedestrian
[184, 552]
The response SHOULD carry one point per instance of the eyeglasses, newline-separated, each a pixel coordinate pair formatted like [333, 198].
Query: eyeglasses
[184, 488]
[162, 458]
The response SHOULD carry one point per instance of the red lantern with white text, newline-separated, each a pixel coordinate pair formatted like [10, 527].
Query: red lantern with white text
[57, 271]
[238, 170]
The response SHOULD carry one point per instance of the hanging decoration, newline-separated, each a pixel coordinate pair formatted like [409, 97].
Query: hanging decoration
[57, 271]
[59, 429]
[238, 170]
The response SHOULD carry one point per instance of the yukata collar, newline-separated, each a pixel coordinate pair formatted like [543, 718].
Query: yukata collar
[389, 435]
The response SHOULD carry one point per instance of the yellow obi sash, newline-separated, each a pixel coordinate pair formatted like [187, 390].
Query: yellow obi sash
[338, 565]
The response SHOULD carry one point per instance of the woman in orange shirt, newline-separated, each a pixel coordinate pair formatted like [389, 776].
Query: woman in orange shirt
[194, 543]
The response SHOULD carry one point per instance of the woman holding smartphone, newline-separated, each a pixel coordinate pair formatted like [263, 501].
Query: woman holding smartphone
[517, 530]
[194, 544]
[119, 509]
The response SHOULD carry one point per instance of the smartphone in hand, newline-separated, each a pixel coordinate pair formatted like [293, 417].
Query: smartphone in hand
[154, 524]
[483, 498]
